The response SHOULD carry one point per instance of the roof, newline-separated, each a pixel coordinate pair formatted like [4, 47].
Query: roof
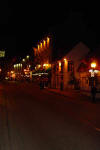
[90, 57]
[72, 52]
[78, 52]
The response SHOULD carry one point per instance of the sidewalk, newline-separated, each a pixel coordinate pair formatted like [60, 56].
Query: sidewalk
[91, 110]
[73, 94]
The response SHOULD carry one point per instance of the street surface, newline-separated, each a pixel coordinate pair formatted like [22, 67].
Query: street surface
[34, 119]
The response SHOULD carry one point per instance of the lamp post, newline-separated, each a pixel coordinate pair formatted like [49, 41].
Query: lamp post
[93, 66]
[93, 84]
[92, 71]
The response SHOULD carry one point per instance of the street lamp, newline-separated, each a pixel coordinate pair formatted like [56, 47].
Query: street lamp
[23, 60]
[48, 41]
[93, 84]
[27, 56]
[44, 43]
[93, 71]
[93, 66]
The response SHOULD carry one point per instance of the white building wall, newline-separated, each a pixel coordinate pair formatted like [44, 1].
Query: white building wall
[75, 55]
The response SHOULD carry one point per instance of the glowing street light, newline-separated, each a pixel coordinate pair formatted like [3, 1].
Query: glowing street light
[44, 65]
[59, 64]
[48, 41]
[65, 60]
[41, 45]
[27, 56]
[38, 47]
[23, 60]
[44, 43]
[92, 70]
[19, 65]
[93, 65]
[12, 71]
[14, 66]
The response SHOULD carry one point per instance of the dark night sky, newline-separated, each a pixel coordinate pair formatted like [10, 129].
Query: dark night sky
[23, 24]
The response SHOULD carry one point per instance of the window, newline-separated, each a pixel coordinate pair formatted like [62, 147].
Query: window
[62, 67]
[70, 66]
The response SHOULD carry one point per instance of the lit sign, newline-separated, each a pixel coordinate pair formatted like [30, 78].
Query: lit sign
[2, 53]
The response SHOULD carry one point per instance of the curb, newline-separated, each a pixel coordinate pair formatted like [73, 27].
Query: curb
[86, 97]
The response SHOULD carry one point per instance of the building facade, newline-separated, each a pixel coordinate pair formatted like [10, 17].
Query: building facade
[65, 71]
[43, 54]
[90, 71]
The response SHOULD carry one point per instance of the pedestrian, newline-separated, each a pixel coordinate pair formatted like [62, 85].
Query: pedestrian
[42, 82]
[46, 82]
[93, 93]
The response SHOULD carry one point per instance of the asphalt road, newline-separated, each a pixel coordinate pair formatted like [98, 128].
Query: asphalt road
[34, 119]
